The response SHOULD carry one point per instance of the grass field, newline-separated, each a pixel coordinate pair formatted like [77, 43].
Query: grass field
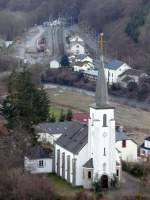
[62, 188]
[133, 119]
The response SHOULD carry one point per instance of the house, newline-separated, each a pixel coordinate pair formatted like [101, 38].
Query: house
[8, 43]
[91, 74]
[125, 81]
[50, 132]
[83, 66]
[38, 160]
[133, 74]
[76, 39]
[114, 69]
[54, 64]
[77, 49]
[87, 59]
[145, 148]
[127, 147]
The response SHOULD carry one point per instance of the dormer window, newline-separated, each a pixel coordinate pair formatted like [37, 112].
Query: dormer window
[104, 120]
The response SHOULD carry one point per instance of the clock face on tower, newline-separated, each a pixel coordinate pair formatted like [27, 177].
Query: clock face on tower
[104, 134]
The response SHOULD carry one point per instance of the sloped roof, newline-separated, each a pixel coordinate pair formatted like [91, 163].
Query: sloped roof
[89, 164]
[38, 152]
[91, 72]
[133, 72]
[121, 135]
[75, 138]
[114, 64]
[81, 117]
[148, 138]
[53, 128]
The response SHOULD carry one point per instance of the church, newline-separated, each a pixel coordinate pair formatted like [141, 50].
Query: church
[84, 154]
[89, 154]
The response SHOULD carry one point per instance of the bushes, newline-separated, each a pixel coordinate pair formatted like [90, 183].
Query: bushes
[136, 169]
[137, 20]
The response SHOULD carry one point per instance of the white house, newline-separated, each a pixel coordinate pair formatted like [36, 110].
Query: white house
[54, 64]
[127, 147]
[50, 132]
[114, 69]
[77, 49]
[83, 66]
[91, 74]
[133, 74]
[87, 59]
[75, 39]
[145, 148]
[38, 160]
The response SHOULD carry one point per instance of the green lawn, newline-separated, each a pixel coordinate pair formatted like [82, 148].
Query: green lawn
[135, 120]
[62, 188]
[56, 111]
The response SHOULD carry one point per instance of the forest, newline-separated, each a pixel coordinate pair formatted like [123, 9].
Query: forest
[126, 23]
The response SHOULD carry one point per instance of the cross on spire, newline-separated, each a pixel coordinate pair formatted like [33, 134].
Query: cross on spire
[101, 96]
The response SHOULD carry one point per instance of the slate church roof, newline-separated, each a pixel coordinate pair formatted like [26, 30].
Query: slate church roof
[89, 164]
[53, 128]
[75, 138]
[38, 152]
[101, 96]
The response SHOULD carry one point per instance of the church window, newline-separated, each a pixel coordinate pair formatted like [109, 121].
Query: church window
[124, 144]
[104, 151]
[89, 175]
[104, 167]
[117, 172]
[104, 120]
[41, 163]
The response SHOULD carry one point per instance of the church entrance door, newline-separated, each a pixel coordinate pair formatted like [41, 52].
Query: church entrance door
[104, 181]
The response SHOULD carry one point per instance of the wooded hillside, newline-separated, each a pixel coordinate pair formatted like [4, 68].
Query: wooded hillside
[126, 23]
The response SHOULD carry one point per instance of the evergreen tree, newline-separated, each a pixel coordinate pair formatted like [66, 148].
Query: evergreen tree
[65, 61]
[53, 118]
[25, 105]
[62, 116]
[69, 115]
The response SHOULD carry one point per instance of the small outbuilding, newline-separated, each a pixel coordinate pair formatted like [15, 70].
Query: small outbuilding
[54, 64]
[38, 160]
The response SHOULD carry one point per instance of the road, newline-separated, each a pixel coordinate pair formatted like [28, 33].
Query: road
[54, 37]
[25, 49]
[125, 101]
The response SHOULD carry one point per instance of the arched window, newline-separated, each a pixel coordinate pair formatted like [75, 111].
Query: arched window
[104, 120]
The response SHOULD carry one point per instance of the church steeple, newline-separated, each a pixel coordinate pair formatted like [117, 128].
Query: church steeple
[101, 96]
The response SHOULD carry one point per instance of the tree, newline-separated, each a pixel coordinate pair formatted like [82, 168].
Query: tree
[132, 87]
[69, 115]
[65, 61]
[62, 116]
[52, 118]
[25, 105]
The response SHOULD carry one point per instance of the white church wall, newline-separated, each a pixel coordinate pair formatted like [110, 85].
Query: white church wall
[102, 141]
[82, 159]
[67, 153]
[128, 153]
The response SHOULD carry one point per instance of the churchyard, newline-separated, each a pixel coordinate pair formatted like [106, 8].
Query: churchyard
[136, 121]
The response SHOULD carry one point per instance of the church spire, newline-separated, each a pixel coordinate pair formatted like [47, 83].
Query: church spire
[101, 96]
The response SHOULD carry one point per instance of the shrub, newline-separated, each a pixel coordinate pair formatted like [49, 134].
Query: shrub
[136, 169]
